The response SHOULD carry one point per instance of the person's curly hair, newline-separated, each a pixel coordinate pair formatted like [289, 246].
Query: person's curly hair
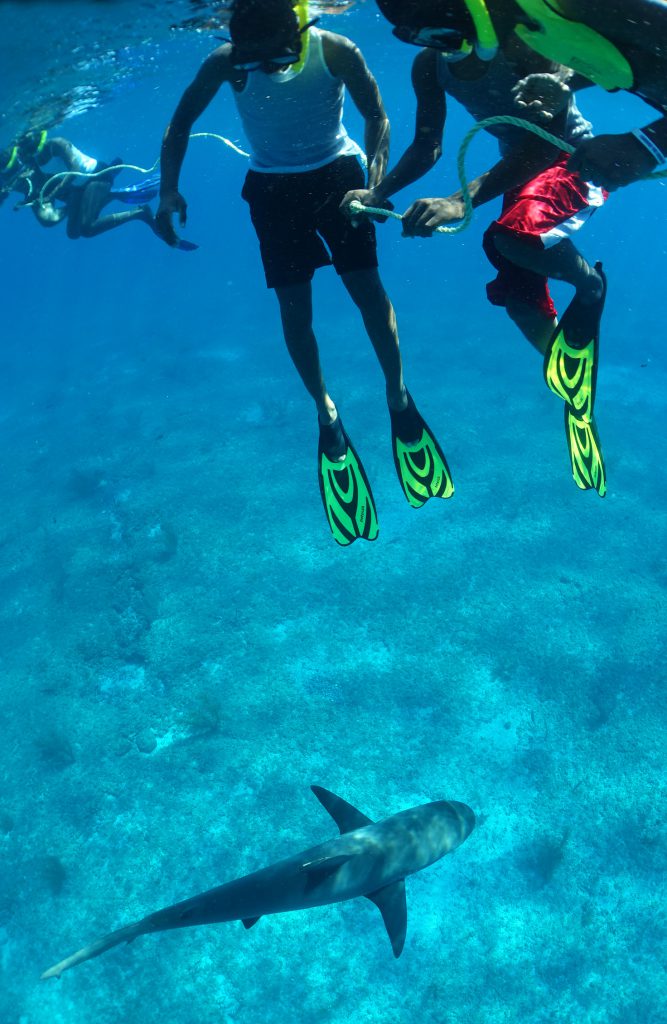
[257, 19]
[422, 13]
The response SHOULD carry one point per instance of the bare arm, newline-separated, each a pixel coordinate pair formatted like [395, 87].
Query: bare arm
[524, 162]
[639, 29]
[346, 62]
[521, 164]
[215, 70]
[425, 150]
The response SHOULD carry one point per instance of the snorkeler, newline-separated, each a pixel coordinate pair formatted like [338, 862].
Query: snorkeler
[616, 44]
[73, 195]
[544, 205]
[288, 81]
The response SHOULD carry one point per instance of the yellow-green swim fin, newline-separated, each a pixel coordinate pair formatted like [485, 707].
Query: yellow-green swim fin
[346, 493]
[571, 358]
[586, 456]
[420, 462]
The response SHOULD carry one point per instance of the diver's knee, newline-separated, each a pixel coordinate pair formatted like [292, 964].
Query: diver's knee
[365, 287]
[297, 320]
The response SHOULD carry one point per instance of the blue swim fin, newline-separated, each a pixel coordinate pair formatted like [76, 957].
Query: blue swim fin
[140, 192]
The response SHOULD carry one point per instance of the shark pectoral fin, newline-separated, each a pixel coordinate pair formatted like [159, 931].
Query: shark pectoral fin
[318, 871]
[345, 815]
[248, 922]
[390, 901]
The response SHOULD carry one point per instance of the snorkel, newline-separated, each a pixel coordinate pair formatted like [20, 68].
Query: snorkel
[486, 40]
[455, 29]
[301, 10]
[14, 152]
[13, 157]
[282, 51]
[42, 140]
[305, 23]
[31, 144]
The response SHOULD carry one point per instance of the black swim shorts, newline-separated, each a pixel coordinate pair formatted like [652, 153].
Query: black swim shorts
[295, 214]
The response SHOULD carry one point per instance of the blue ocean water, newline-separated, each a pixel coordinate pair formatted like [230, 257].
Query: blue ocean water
[185, 649]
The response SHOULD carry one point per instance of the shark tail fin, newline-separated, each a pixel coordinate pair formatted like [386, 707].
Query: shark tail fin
[126, 934]
[391, 903]
[347, 817]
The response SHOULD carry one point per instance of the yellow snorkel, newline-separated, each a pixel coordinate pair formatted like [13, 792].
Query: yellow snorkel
[13, 155]
[486, 41]
[301, 11]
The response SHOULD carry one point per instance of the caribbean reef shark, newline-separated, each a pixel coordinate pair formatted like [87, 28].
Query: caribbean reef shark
[370, 859]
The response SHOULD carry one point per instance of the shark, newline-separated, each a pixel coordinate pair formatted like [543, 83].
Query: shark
[367, 859]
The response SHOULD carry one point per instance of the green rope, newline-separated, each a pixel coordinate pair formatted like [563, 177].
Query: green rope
[518, 122]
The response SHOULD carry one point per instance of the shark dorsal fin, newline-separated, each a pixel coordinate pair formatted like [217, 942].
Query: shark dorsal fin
[248, 922]
[390, 901]
[318, 871]
[345, 815]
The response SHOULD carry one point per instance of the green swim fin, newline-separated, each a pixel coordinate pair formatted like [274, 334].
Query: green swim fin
[571, 365]
[585, 454]
[420, 463]
[346, 492]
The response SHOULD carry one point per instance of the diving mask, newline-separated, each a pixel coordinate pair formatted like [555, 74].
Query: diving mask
[247, 62]
[450, 42]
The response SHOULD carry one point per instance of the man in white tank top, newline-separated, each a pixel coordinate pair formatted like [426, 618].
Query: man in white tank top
[288, 81]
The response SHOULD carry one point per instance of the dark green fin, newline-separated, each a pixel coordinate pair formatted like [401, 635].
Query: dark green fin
[420, 462]
[391, 903]
[585, 454]
[570, 364]
[346, 492]
[347, 817]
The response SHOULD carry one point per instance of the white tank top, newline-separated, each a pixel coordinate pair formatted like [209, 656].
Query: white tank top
[293, 122]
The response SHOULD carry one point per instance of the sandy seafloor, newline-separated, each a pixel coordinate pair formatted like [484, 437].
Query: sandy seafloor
[184, 649]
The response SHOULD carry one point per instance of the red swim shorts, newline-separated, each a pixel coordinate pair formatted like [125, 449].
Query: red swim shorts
[550, 207]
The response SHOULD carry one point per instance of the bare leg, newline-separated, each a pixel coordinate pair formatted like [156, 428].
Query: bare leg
[532, 323]
[563, 262]
[114, 220]
[296, 311]
[84, 219]
[367, 292]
